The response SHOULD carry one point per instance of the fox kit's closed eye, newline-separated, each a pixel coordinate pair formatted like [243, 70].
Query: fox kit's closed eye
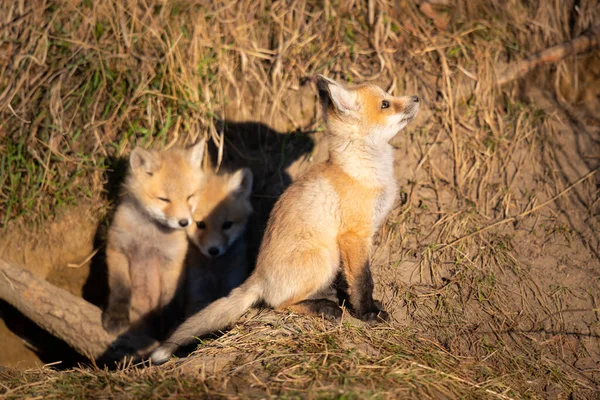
[324, 223]
[147, 242]
[216, 261]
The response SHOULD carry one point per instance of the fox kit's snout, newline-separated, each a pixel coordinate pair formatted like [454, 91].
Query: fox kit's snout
[365, 111]
[222, 212]
[156, 181]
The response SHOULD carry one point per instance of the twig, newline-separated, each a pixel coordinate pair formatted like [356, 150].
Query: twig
[88, 258]
[523, 214]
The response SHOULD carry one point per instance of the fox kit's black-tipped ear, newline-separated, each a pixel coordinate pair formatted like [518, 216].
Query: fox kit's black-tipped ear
[143, 161]
[196, 153]
[240, 183]
[331, 91]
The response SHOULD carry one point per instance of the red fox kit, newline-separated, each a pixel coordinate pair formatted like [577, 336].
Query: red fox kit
[147, 241]
[323, 224]
[216, 261]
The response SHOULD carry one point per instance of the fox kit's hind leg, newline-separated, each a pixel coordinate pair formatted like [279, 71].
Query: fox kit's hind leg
[318, 272]
[354, 251]
[115, 318]
[320, 307]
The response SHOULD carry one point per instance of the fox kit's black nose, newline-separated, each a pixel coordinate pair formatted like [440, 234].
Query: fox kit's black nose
[416, 99]
[183, 223]
[213, 251]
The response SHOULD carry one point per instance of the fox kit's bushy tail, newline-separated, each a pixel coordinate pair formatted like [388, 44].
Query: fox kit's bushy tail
[218, 315]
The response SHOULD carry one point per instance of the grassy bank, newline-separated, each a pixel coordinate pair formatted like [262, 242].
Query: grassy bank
[489, 261]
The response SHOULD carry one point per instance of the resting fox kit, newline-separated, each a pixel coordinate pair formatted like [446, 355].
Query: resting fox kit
[216, 261]
[147, 242]
[324, 223]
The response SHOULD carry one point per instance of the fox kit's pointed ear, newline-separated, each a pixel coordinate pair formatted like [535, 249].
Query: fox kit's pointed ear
[143, 161]
[344, 100]
[240, 183]
[196, 154]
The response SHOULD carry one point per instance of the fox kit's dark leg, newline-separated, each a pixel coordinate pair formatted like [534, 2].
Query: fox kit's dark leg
[116, 315]
[320, 307]
[354, 252]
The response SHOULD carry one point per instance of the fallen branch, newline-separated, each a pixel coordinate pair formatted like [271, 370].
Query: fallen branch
[554, 54]
[64, 315]
[508, 73]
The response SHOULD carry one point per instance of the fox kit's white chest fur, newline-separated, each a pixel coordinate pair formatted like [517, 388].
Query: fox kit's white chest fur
[137, 233]
[384, 173]
[372, 166]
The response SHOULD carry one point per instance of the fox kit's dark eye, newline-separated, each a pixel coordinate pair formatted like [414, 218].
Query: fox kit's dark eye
[164, 199]
[190, 197]
[227, 225]
[385, 104]
[201, 225]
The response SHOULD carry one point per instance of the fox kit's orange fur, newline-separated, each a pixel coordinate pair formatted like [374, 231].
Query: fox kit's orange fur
[324, 223]
[216, 261]
[147, 241]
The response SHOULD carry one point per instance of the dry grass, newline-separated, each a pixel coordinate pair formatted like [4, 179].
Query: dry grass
[290, 356]
[489, 259]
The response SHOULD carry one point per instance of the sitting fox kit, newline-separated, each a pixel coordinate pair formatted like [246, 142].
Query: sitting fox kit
[147, 241]
[216, 261]
[323, 224]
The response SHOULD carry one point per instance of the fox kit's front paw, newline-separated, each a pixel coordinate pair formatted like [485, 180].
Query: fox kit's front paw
[375, 314]
[115, 322]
